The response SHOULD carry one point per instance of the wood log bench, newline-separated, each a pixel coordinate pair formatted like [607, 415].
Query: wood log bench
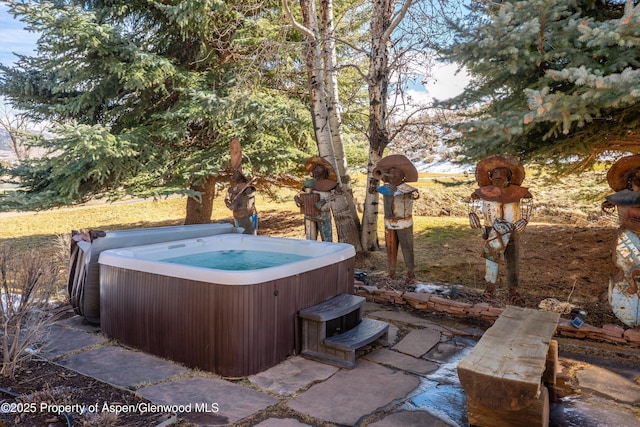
[506, 375]
[333, 330]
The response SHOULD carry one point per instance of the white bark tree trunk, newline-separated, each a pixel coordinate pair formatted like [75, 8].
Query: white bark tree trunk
[331, 85]
[323, 94]
[345, 213]
[378, 132]
[315, 81]
[383, 23]
[371, 205]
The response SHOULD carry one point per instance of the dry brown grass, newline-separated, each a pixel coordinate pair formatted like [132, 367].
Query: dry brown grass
[566, 200]
[28, 283]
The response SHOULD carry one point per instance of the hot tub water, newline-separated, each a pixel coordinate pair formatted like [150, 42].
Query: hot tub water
[236, 260]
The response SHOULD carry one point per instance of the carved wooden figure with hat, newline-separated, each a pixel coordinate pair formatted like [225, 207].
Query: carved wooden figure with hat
[315, 200]
[624, 178]
[241, 195]
[506, 207]
[398, 196]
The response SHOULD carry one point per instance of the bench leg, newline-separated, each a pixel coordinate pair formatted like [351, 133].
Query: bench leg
[536, 414]
[551, 367]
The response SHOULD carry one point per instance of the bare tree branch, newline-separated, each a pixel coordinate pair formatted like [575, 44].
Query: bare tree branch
[296, 24]
[397, 19]
[15, 124]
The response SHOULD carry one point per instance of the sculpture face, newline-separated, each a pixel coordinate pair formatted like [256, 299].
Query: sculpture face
[500, 177]
[238, 177]
[633, 182]
[394, 176]
[319, 172]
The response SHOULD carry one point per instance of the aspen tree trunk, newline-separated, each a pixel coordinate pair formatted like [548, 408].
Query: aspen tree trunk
[315, 80]
[383, 22]
[371, 205]
[331, 85]
[327, 125]
[378, 132]
[345, 212]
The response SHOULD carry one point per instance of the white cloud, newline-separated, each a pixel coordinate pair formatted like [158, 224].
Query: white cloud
[445, 81]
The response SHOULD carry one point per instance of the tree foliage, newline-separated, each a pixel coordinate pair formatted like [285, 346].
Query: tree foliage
[551, 80]
[143, 98]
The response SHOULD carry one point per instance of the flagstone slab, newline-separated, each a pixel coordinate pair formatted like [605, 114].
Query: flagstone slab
[608, 383]
[445, 351]
[418, 342]
[281, 422]
[451, 328]
[596, 411]
[61, 340]
[79, 322]
[401, 361]
[352, 394]
[292, 375]
[212, 401]
[119, 366]
[409, 419]
[405, 317]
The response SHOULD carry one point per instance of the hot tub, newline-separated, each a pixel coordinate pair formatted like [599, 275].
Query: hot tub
[231, 322]
[84, 273]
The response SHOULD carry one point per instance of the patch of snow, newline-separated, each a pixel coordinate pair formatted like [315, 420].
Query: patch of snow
[428, 288]
[445, 166]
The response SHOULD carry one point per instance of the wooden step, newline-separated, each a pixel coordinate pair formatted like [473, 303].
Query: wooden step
[333, 330]
[367, 331]
[333, 308]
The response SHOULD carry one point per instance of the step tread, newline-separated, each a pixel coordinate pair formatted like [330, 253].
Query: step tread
[333, 308]
[367, 331]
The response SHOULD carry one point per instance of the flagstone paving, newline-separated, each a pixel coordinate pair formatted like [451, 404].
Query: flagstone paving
[413, 382]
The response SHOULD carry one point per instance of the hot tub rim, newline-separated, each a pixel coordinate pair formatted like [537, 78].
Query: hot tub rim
[125, 258]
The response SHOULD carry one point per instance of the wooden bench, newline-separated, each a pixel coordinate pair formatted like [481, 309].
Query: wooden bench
[333, 330]
[506, 375]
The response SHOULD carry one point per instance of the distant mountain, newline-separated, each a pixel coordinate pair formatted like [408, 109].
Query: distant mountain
[4, 139]
[6, 153]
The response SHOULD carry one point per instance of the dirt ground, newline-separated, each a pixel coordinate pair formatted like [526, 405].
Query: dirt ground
[571, 263]
[43, 383]
[565, 262]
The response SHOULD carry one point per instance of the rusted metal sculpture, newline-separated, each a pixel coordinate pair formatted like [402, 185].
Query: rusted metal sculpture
[315, 200]
[624, 178]
[395, 171]
[506, 208]
[241, 195]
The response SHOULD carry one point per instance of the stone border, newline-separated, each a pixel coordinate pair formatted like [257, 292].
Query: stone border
[434, 304]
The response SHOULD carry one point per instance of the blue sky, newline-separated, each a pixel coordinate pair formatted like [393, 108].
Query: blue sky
[13, 37]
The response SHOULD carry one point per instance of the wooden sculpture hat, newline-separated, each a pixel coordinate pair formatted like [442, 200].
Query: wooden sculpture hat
[325, 185]
[489, 163]
[618, 174]
[396, 161]
[317, 160]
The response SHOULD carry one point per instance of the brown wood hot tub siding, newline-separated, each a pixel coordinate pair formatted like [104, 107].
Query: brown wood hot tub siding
[232, 330]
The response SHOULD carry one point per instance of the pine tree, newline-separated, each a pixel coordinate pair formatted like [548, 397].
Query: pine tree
[551, 80]
[144, 98]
